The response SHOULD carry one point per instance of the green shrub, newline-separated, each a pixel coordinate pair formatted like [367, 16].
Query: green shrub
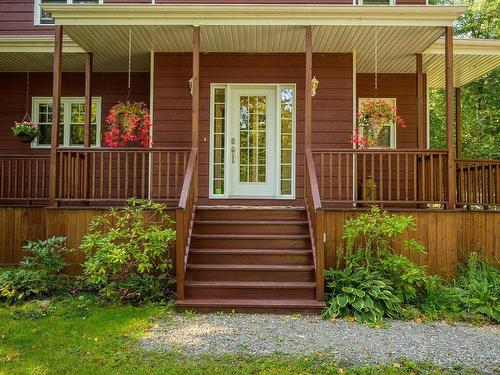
[480, 283]
[439, 299]
[408, 279]
[370, 237]
[18, 285]
[37, 275]
[127, 251]
[360, 293]
[45, 255]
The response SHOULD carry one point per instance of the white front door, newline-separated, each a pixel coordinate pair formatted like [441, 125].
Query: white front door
[252, 142]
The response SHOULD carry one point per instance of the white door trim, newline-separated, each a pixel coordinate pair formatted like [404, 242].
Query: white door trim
[229, 88]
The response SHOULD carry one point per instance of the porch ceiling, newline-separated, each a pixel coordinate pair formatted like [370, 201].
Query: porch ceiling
[397, 45]
[472, 58]
[34, 53]
[402, 30]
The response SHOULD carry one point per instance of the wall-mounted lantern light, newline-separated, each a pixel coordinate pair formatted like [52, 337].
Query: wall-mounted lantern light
[314, 86]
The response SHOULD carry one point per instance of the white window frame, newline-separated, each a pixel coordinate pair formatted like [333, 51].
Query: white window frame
[278, 87]
[66, 102]
[38, 12]
[360, 2]
[393, 127]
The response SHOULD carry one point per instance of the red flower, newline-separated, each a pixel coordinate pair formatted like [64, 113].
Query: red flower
[128, 122]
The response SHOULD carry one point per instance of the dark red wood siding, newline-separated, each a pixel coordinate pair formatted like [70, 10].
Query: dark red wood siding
[111, 87]
[332, 106]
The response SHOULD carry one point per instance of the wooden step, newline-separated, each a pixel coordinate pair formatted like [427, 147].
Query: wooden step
[300, 306]
[251, 241]
[247, 214]
[251, 227]
[249, 272]
[250, 256]
[250, 290]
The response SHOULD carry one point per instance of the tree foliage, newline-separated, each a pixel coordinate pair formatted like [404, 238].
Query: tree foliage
[480, 104]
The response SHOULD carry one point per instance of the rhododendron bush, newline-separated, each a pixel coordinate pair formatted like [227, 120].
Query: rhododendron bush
[128, 123]
[372, 116]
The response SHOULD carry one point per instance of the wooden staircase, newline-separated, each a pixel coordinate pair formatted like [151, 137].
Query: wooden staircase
[250, 260]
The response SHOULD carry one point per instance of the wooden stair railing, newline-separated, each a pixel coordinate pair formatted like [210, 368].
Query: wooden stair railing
[184, 218]
[315, 216]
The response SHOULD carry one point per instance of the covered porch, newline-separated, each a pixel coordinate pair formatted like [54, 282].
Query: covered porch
[349, 53]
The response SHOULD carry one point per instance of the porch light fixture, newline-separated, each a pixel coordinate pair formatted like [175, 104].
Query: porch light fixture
[190, 82]
[314, 86]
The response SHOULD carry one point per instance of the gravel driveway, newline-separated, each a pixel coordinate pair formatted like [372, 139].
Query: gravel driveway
[216, 334]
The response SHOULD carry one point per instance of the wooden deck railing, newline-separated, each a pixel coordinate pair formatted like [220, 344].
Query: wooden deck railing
[114, 175]
[478, 182]
[315, 216]
[24, 178]
[184, 217]
[382, 176]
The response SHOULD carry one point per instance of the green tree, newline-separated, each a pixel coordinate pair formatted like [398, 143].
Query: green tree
[480, 103]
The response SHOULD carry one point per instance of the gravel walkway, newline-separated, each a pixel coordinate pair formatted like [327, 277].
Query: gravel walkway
[217, 334]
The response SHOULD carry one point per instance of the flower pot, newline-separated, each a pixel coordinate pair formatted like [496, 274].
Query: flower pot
[26, 138]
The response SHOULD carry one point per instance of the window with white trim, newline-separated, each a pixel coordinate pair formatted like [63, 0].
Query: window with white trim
[387, 136]
[71, 124]
[376, 2]
[43, 18]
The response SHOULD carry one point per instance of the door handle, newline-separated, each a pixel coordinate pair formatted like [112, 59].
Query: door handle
[233, 151]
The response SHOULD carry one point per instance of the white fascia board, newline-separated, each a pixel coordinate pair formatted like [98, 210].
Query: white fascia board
[36, 43]
[252, 14]
[467, 47]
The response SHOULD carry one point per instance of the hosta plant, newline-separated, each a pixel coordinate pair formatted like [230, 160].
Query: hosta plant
[364, 295]
[128, 123]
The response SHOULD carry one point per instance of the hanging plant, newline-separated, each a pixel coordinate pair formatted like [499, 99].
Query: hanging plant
[26, 130]
[372, 116]
[128, 123]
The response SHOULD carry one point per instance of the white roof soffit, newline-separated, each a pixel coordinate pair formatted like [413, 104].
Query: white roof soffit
[252, 14]
[472, 58]
[402, 31]
[34, 53]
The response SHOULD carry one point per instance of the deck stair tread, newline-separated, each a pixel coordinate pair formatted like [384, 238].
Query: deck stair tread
[252, 251]
[252, 284]
[251, 222]
[252, 236]
[252, 267]
[296, 303]
[250, 259]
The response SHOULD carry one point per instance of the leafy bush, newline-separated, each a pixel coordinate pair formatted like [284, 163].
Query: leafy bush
[38, 273]
[127, 251]
[360, 293]
[46, 255]
[370, 237]
[19, 285]
[480, 283]
[408, 279]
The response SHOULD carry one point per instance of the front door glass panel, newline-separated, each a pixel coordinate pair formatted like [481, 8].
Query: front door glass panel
[252, 139]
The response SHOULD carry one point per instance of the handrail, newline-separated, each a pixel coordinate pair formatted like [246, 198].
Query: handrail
[315, 218]
[478, 183]
[184, 218]
[313, 181]
[381, 150]
[188, 177]
[121, 149]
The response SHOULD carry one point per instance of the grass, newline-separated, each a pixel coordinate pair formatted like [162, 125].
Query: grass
[78, 337]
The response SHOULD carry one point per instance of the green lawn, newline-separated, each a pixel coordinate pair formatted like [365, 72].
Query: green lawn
[73, 337]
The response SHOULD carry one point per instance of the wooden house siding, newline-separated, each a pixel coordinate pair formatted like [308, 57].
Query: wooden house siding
[332, 106]
[111, 87]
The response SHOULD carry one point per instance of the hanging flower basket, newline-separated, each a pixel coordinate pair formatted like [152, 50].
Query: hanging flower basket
[26, 131]
[128, 123]
[372, 116]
